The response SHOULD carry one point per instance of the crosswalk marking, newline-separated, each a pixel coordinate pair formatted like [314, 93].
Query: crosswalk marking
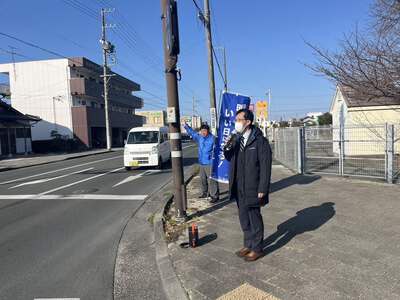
[48, 179]
[58, 170]
[134, 177]
[77, 182]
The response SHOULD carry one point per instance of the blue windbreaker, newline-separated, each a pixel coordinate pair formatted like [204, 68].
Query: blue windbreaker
[206, 145]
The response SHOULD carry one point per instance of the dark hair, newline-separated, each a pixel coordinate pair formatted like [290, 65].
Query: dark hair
[205, 126]
[248, 114]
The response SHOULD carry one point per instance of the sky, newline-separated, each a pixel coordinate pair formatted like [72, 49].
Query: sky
[264, 42]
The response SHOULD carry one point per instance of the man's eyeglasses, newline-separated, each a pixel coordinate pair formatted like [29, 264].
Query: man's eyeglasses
[240, 119]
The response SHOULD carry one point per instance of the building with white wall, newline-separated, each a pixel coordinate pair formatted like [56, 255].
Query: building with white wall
[67, 95]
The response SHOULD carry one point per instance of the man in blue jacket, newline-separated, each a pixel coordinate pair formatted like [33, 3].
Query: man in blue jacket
[205, 140]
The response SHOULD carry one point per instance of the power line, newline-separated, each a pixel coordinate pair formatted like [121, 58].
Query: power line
[129, 36]
[35, 46]
[198, 7]
[218, 65]
[203, 19]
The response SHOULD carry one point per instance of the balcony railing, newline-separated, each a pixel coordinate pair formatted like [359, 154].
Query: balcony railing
[92, 89]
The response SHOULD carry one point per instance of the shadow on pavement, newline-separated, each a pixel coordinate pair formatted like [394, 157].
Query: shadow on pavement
[207, 239]
[292, 180]
[223, 202]
[308, 219]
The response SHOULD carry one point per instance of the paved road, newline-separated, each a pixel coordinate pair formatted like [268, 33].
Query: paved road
[60, 224]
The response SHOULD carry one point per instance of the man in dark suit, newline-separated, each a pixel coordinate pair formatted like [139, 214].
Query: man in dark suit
[249, 180]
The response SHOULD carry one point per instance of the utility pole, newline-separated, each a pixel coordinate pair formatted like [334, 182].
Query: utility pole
[12, 52]
[108, 48]
[269, 104]
[170, 30]
[268, 112]
[211, 79]
[225, 72]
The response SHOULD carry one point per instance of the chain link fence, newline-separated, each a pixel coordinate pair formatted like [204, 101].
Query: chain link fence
[286, 147]
[361, 151]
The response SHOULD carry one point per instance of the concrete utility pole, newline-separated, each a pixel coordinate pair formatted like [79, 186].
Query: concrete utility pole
[225, 72]
[170, 30]
[193, 106]
[108, 48]
[211, 79]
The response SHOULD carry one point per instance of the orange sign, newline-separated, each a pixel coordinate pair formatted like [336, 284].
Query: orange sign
[262, 110]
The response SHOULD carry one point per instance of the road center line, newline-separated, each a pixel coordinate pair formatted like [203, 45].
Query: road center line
[58, 170]
[77, 182]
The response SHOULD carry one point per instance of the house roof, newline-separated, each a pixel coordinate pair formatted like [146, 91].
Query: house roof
[353, 101]
[7, 113]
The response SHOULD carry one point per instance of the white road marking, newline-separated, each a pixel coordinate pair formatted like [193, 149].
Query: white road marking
[77, 182]
[58, 170]
[128, 179]
[57, 299]
[74, 197]
[48, 179]
[134, 177]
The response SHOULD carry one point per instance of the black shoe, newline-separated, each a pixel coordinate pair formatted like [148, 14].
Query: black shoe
[214, 200]
[202, 196]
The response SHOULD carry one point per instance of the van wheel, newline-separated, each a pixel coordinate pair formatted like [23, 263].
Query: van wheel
[160, 163]
[128, 168]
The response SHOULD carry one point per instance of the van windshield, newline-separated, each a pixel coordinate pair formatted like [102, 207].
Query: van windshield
[143, 137]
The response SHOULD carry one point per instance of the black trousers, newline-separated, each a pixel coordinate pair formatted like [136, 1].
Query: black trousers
[252, 225]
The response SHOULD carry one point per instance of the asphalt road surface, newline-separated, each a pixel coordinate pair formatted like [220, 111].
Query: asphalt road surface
[60, 224]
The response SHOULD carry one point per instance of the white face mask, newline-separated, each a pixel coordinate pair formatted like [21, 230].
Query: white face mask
[239, 127]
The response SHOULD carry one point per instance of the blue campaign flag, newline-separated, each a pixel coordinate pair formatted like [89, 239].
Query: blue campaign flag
[231, 103]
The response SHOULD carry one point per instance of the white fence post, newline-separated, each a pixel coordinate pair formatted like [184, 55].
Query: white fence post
[300, 150]
[389, 153]
[341, 149]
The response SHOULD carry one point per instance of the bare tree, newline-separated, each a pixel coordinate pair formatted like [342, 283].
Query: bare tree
[367, 64]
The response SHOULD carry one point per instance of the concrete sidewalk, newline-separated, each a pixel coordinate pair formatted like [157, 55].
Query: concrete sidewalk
[22, 162]
[325, 238]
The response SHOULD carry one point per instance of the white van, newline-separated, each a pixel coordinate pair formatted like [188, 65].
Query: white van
[147, 146]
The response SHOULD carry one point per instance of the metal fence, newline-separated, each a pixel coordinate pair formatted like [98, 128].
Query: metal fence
[396, 155]
[362, 151]
[286, 147]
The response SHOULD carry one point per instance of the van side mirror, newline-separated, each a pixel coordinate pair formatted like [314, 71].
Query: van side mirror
[124, 142]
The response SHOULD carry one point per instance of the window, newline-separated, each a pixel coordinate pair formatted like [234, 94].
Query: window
[144, 137]
[21, 133]
[93, 104]
[83, 102]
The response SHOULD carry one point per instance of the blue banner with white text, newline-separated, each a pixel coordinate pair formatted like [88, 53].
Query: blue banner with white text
[231, 103]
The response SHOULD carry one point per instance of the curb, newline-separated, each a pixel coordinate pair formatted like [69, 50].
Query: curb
[172, 286]
[53, 161]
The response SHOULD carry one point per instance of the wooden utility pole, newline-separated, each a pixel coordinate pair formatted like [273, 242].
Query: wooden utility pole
[171, 51]
[211, 79]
